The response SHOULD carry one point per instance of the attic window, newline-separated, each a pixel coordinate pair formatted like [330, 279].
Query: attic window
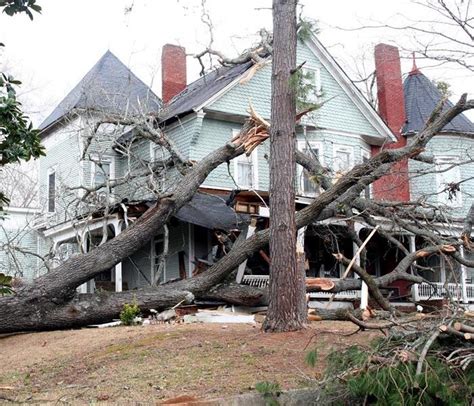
[310, 84]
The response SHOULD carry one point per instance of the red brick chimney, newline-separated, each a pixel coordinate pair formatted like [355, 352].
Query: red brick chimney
[173, 71]
[391, 102]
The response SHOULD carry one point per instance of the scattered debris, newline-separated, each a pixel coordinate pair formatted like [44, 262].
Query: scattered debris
[214, 316]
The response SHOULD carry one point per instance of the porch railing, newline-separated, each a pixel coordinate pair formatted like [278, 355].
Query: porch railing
[261, 281]
[440, 290]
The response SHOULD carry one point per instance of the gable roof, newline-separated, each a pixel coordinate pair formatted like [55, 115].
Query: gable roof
[352, 91]
[198, 92]
[421, 98]
[110, 86]
[203, 91]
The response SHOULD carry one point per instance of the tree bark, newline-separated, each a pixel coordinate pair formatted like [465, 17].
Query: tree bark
[287, 307]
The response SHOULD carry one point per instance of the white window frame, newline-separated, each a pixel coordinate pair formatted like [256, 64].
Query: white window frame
[104, 158]
[301, 144]
[313, 98]
[254, 158]
[442, 197]
[345, 149]
[367, 155]
[52, 170]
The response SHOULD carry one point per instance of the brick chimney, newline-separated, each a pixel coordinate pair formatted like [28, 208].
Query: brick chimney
[173, 71]
[390, 87]
[391, 103]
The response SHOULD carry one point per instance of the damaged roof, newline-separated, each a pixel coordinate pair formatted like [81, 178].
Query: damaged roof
[110, 86]
[421, 98]
[201, 90]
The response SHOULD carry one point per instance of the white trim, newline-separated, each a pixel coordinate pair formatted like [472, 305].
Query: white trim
[301, 144]
[366, 154]
[350, 89]
[51, 170]
[105, 158]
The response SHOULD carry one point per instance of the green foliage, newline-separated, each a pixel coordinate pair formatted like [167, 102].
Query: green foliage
[444, 88]
[5, 284]
[129, 312]
[18, 139]
[311, 358]
[303, 83]
[270, 391]
[12, 7]
[306, 28]
[396, 383]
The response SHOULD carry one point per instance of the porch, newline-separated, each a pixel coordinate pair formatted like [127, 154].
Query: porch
[441, 290]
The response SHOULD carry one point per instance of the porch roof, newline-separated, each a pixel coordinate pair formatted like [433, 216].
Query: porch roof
[211, 212]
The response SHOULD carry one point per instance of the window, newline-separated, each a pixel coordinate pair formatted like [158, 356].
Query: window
[307, 186]
[52, 190]
[102, 170]
[367, 193]
[448, 174]
[246, 170]
[343, 159]
[310, 86]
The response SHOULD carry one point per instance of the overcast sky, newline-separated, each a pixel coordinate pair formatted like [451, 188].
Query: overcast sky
[53, 52]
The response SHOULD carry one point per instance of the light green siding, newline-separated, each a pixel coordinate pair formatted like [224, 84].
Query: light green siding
[338, 113]
[425, 187]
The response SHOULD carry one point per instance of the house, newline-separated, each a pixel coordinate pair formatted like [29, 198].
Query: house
[89, 192]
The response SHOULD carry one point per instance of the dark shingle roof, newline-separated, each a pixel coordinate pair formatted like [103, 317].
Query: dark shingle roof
[421, 98]
[202, 90]
[109, 86]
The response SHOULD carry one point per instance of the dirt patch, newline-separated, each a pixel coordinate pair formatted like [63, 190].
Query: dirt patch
[145, 364]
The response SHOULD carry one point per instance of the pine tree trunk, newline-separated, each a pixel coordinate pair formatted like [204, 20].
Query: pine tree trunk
[286, 310]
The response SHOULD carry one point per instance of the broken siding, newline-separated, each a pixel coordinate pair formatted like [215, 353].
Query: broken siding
[339, 113]
[425, 187]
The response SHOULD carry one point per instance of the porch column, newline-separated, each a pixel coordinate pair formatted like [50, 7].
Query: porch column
[83, 288]
[414, 288]
[300, 254]
[463, 277]
[118, 267]
[364, 290]
[250, 231]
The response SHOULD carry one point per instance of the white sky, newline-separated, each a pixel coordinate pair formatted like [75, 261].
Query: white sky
[53, 52]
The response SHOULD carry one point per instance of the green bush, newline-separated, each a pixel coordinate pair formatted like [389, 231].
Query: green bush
[128, 313]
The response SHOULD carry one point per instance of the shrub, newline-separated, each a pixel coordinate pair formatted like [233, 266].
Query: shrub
[129, 313]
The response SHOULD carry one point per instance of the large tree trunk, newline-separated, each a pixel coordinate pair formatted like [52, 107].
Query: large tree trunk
[286, 311]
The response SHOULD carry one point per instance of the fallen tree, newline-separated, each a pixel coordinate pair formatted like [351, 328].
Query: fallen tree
[51, 301]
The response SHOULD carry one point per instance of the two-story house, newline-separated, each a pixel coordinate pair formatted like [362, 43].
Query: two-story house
[96, 180]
